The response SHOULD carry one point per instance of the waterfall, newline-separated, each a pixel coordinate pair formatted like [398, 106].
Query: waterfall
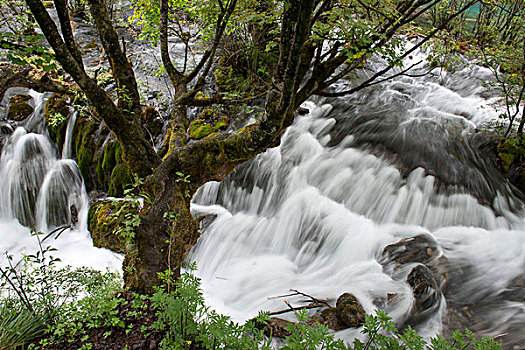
[67, 150]
[355, 175]
[41, 191]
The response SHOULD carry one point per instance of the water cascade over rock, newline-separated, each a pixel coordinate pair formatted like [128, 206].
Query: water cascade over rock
[390, 195]
[41, 191]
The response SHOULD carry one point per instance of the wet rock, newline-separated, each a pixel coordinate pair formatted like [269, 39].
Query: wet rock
[303, 111]
[349, 311]
[422, 249]
[427, 294]
[276, 327]
[328, 317]
[5, 130]
[19, 108]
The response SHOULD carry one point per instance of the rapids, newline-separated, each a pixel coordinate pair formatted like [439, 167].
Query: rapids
[357, 174]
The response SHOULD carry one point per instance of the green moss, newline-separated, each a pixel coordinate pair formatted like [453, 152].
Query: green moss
[55, 115]
[106, 161]
[85, 148]
[104, 220]
[120, 179]
[207, 123]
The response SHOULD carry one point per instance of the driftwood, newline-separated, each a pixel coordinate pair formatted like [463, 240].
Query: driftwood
[313, 303]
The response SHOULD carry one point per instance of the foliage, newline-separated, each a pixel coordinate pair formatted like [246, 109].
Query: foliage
[56, 120]
[19, 41]
[185, 319]
[36, 293]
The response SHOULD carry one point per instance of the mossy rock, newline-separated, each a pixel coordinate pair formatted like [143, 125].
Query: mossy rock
[86, 145]
[99, 157]
[121, 178]
[56, 115]
[19, 108]
[105, 218]
[208, 122]
[349, 311]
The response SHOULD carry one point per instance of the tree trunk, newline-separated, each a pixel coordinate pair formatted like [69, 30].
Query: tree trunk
[165, 235]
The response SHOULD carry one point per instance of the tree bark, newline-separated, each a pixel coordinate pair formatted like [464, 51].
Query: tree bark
[129, 98]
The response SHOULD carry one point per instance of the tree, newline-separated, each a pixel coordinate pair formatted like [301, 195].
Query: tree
[314, 43]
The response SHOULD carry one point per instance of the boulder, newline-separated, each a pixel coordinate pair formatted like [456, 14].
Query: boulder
[328, 317]
[349, 311]
[106, 219]
[19, 108]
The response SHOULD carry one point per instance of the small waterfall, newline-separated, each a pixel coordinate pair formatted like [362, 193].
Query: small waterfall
[67, 150]
[359, 173]
[40, 191]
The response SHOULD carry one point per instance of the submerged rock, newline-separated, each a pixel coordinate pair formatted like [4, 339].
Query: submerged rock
[427, 294]
[427, 279]
[422, 249]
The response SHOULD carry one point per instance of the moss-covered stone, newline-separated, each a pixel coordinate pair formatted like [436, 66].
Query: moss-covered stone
[85, 148]
[208, 122]
[105, 218]
[19, 108]
[99, 157]
[121, 178]
[55, 115]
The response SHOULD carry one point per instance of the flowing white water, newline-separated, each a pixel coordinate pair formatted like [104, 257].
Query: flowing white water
[353, 176]
[40, 190]
[67, 150]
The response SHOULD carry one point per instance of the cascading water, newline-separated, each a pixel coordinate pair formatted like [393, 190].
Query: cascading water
[41, 191]
[358, 174]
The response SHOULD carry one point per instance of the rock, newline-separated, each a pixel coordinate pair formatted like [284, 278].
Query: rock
[19, 108]
[349, 311]
[276, 327]
[105, 218]
[427, 294]
[422, 249]
[56, 116]
[328, 317]
[303, 111]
